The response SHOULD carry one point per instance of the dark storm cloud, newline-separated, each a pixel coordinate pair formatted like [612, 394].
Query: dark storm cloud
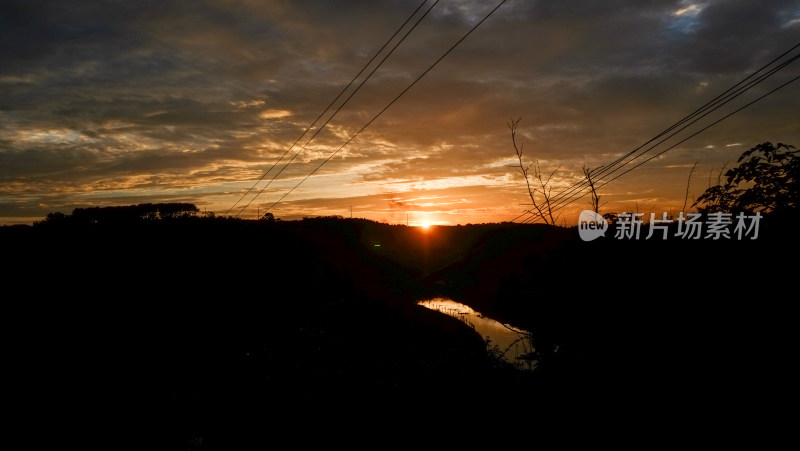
[169, 95]
[738, 34]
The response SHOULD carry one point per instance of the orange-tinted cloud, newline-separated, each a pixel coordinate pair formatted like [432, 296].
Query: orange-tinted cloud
[158, 101]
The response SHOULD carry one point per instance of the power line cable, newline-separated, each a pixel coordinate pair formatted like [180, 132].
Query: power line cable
[701, 130]
[692, 118]
[724, 98]
[340, 106]
[707, 105]
[580, 186]
[329, 106]
[390, 103]
[687, 138]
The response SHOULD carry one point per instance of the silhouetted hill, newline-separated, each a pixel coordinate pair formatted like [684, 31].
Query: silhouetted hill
[196, 327]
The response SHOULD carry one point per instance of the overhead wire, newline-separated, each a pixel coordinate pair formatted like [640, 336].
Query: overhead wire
[609, 169]
[687, 138]
[561, 199]
[716, 103]
[581, 186]
[726, 94]
[389, 104]
[341, 106]
[702, 130]
[327, 108]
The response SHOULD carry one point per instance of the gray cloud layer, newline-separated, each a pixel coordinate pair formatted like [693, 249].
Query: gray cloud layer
[163, 100]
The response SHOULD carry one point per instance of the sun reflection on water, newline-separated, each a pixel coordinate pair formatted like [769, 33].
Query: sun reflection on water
[513, 343]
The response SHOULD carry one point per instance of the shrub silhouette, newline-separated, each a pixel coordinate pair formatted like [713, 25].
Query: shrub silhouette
[766, 180]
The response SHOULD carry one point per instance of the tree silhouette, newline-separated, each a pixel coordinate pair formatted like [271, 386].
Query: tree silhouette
[595, 198]
[124, 214]
[544, 209]
[767, 180]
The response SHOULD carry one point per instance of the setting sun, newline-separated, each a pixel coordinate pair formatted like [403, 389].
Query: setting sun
[425, 225]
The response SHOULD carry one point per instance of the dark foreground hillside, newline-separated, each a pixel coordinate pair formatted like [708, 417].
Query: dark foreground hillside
[212, 333]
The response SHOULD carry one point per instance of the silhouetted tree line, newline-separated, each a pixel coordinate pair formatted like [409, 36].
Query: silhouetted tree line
[127, 214]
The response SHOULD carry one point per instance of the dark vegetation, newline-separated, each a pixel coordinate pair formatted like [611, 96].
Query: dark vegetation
[766, 180]
[157, 324]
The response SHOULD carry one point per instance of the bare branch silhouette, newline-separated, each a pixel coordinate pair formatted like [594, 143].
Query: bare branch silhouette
[595, 199]
[543, 209]
[688, 182]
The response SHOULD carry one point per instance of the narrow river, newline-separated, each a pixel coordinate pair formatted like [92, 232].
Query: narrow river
[511, 342]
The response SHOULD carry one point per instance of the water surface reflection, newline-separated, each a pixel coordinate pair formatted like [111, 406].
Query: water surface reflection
[511, 343]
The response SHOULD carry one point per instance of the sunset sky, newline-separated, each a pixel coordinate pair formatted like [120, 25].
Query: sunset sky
[118, 102]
